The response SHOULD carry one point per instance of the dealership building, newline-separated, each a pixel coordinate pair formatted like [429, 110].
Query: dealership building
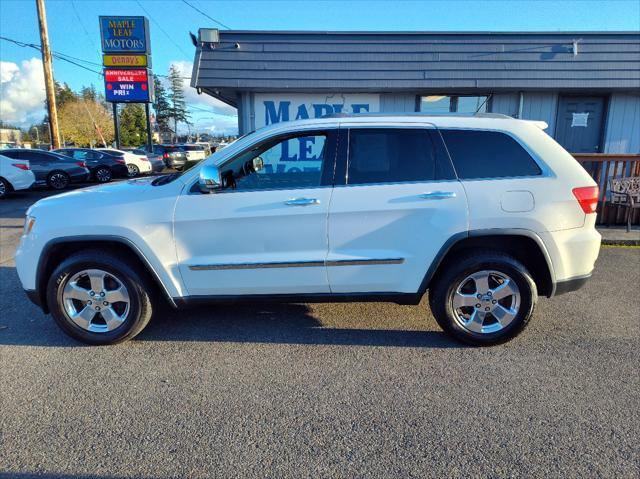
[584, 85]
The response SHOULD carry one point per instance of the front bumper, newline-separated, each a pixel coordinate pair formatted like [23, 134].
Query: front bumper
[34, 297]
[572, 284]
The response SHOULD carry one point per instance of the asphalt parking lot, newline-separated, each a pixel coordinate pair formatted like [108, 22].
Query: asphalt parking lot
[342, 390]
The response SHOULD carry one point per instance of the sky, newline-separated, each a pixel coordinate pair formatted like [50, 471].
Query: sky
[74, 30]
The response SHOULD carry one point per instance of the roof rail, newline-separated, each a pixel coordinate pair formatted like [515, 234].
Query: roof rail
[463, 115]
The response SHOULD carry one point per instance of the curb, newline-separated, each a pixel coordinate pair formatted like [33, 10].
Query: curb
[623, 242]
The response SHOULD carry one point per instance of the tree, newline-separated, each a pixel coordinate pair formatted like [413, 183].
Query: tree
[161, 105]
[64, 94]
[89, 93]
[85, 123]
[178, 106]
[133, 125]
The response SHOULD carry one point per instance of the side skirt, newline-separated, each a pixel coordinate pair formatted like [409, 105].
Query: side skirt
[398, 298]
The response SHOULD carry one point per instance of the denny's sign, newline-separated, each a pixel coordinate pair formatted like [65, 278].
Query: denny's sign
[125, 61]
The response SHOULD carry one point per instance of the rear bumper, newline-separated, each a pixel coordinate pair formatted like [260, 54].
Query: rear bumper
[120, 171]
[572, 284]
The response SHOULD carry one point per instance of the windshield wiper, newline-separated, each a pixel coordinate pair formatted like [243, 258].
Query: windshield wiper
[164, 179]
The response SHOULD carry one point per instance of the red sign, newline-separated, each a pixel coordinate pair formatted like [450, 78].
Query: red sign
[125, 75]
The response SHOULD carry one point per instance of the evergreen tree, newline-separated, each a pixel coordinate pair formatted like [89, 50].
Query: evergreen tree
[161, 105]
[133, 125]
[64, 94]
[178, 106]
[89, 93]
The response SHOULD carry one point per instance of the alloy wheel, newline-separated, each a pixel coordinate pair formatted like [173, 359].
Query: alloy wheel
[96, 301]
[58, 181]
[132, 170]
[103, 175]
[486, 302]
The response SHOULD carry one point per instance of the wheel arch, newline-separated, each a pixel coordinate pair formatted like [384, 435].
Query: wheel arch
[524, 245]
[55, 251]
[11, 188]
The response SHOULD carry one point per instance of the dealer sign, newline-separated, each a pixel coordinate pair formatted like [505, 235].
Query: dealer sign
[124, 34]
[124, 85]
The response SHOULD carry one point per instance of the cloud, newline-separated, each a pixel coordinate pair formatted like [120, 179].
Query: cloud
[22, 92]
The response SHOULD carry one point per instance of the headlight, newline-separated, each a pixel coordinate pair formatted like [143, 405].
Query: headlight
[29, 222]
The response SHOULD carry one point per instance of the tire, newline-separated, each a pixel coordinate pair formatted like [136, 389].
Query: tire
[133, 170]
[103, 174]
[5, 188]
[476, 324]
[126, 311]
[58, 180]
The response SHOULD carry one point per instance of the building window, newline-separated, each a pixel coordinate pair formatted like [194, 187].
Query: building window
[454, 103]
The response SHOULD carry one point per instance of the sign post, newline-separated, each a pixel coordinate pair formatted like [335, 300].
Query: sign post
[126, 58]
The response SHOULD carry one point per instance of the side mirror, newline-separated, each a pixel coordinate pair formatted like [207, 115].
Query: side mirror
[258, 163]
[210, 179]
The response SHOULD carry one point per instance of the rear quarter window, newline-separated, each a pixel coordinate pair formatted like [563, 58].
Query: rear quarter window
[488, 154]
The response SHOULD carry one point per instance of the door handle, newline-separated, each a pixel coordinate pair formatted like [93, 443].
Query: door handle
[438, 195]
[302, 201]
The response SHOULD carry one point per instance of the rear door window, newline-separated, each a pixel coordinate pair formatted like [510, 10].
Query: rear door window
[381, 155]
[488, 154]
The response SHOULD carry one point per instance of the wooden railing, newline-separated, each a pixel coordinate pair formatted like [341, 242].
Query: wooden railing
[602, 167]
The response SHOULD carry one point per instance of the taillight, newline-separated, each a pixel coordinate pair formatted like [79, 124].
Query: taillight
[165, 156]
[144, 158]
[81, 164]
[587, 197]
[122, 162]
[22, 166]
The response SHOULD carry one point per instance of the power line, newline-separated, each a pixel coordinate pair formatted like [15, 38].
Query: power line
[203, 13]
[162, 29]
[75, 10]
[59, 56]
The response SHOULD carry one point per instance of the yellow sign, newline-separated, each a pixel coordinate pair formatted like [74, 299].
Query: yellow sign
[124, 60]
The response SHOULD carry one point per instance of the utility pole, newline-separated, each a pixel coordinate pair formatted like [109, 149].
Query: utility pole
[48, 74]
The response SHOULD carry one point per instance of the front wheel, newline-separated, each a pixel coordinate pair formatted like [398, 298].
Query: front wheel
[97, 298]
[483, 298]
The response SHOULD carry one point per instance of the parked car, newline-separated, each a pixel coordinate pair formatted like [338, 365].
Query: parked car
[136, 163]
[194, 152]
[173, 155]
[486, 212]
[102, 165]
[156, 161]
[51, 169]
[14, 175]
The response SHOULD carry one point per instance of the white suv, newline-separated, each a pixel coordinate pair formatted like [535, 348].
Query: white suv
[486, 212]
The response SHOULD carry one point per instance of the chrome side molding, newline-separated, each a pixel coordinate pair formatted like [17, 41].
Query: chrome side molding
[296, 264]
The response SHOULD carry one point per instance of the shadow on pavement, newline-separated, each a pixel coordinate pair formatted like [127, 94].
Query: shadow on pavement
[23, 324]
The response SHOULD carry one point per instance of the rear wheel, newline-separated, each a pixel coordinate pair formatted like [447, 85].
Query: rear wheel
[103, 174]
[132, 170]
[58, 180]
[484, 298]
[5, 188]
[98, 299]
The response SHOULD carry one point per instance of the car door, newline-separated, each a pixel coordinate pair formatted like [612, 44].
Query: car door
[39, 164]
[266, 232]
[398, 204]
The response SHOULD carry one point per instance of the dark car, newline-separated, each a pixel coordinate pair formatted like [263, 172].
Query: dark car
[172, 155]
[103, 165]
[50, 168]
[157, 163]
